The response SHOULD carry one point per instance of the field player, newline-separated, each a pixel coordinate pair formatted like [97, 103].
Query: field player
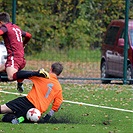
[12, 35]
[43, 93]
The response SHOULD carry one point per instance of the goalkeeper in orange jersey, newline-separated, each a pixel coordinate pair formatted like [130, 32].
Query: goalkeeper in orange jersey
[44, 92]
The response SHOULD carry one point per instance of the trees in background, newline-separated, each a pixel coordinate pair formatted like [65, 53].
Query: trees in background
[65, 24]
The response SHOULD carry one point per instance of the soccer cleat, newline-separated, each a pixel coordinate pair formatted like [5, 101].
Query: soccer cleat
[17, 120]
[20, 87]
[43, 73]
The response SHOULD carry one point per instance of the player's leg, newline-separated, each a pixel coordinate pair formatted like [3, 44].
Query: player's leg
[8, 113]
[15, 109]
[8, 117]
[10, 72]
[4, 78]
[14, 70]
[12, 66]
[19, 106]
[4, 109]
[26, 74]
[22, 74]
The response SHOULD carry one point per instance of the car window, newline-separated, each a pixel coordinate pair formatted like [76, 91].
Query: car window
[111, 35]
[131, 36]
[122, 34]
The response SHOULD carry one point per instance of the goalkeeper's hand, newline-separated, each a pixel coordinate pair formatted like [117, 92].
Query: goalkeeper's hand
[46, 118]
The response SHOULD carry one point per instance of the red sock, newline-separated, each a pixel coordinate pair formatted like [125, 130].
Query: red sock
[19, 80]
[15, 78]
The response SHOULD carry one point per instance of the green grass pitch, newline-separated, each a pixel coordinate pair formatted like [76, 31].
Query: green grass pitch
[79, 118]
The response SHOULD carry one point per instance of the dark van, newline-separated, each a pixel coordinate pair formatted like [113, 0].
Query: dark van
[112, 51]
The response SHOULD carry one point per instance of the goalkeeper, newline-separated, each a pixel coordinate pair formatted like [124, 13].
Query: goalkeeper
[44, 92]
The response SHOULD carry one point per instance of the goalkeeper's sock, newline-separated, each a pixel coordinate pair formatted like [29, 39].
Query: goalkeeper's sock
[8, 117]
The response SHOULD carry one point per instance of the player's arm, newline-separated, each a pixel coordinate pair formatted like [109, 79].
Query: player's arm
[46, 118]
[55, 107]
[27, 36]
[3, 30]
[57, 101]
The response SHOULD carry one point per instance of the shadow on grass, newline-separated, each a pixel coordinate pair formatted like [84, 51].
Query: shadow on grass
[72, 119]
[61, 119]
[68, 119]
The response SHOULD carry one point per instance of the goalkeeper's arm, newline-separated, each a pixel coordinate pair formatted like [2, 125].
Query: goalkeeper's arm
[55, 107]
[46, 118]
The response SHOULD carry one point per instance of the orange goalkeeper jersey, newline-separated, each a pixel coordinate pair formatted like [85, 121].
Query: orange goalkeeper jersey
[44, 92]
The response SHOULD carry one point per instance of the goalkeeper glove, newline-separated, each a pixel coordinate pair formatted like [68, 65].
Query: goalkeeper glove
[46, 118]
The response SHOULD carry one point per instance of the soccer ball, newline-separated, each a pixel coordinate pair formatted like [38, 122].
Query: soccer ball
[33, 115]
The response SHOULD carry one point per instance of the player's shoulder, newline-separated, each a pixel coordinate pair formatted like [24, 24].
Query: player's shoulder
[16, 26]
[12, 25]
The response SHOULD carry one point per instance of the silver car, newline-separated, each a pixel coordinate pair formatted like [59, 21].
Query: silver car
[3, 53]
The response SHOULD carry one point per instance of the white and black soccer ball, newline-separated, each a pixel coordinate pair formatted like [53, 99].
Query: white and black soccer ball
[33, 115]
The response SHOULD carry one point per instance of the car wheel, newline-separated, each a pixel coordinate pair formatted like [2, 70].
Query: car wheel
[129, 74]
[103, 73]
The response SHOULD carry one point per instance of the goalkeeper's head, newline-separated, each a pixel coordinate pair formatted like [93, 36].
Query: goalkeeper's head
[56, 68]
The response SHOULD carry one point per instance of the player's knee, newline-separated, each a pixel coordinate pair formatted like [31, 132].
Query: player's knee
[10, 72]
[10, 77]
[1, 112]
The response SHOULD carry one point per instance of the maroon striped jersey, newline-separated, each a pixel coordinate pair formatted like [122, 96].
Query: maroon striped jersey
[12, 35]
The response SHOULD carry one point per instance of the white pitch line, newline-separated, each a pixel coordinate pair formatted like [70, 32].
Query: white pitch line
[79, 103]
[90, 90]
[19, 94]
[98, 106]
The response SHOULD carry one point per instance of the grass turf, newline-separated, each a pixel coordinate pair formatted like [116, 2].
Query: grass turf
[77, 118]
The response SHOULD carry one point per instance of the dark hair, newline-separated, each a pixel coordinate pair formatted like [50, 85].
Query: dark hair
[57, 68]
[5, 17]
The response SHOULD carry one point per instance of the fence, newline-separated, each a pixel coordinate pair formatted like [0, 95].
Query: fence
[65, 31]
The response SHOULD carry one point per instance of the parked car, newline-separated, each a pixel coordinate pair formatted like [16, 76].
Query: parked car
[3, 53]
[112, 51]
